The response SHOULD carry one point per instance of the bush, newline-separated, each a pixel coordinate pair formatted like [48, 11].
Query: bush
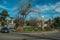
[40, 29]
[35, 29]
[19, 29]
[28, 29]
[48, 28]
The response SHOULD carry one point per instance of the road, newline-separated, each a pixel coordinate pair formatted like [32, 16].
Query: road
[20, 36]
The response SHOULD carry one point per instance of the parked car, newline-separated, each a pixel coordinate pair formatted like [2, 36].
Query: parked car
[5, 30]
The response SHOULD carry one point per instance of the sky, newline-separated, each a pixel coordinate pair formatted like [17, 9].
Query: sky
[46, 8]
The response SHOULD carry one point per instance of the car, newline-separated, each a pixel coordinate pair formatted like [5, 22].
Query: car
[5, 30]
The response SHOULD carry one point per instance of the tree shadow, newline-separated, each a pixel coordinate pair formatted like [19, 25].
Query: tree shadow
[39, 37]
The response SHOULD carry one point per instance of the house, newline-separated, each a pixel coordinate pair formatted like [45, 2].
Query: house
[48, 23]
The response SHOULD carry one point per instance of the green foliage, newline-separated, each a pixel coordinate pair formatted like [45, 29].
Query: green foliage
[5, 13]
[47, 29]
[4, 23]
[35, 29]
[40, 29]
[57, 22]
[28, 29]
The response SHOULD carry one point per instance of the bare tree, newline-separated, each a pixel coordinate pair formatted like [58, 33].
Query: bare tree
[24, 8]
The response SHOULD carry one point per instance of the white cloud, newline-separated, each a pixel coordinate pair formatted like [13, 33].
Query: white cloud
[58, 3]
[14, 8]
[4, 7]
[58, 9]
[11, 9]
[43, 8]
[55, 7]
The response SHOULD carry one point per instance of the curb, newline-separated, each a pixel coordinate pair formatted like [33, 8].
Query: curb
[33, 33]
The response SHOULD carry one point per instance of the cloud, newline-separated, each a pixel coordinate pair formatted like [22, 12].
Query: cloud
[4, 7]
[14, 8]
[58, 9]
[49, 10]
[45, 7]
[11, 9]
[58, 4]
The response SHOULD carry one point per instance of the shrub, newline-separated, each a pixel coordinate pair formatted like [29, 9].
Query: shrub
[48, 28]
[40, 29]
[28, 29]
[19, 29]
[35, 29]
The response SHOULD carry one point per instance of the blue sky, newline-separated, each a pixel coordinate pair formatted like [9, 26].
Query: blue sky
[46, 8]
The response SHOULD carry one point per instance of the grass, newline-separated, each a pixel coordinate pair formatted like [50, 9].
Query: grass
[27, 29]
[35, 29]
[48, 28]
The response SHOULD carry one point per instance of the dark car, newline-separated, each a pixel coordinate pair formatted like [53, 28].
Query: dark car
[5, 30]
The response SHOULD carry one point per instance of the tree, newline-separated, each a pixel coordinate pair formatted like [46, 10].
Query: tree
[57, 22]
[23, 10]
[4, 15]
[50, 23]
[34, 22]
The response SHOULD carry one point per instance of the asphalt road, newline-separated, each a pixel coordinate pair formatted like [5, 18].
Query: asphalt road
[19, 36]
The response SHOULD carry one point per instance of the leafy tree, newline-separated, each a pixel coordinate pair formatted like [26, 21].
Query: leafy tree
[57, 22]
[4, 15]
